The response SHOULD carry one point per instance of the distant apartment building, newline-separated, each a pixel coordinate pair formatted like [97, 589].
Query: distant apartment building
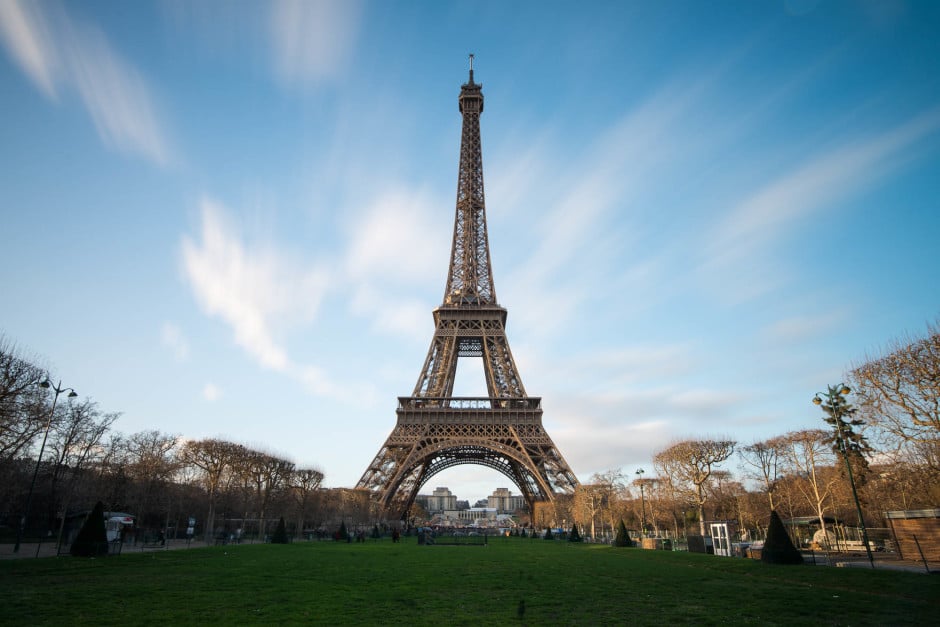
[440, 500]
[504, 501]
[443, 501]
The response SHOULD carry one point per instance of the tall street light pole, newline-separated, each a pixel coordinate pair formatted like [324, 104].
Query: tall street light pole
[639, 473]
[834, 402]
[32, 486]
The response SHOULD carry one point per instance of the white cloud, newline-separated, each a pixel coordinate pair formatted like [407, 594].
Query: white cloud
[398, 242]
[27, 37]
[174, 339]
[585, 217]
[249, 288]
[404, 317]
[737, 241]
[116, 96]
[211, 392]
[398, 236]
[802, 328]
[261, 293]
[312, 40]
[56, 51]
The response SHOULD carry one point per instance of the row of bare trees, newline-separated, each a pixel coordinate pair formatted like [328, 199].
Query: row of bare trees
[160, 478]
[798, 474]
[891, 437]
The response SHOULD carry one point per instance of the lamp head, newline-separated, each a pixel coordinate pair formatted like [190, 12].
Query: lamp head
[817, 400]
[44, 383]
[73, 394]
[844, 390]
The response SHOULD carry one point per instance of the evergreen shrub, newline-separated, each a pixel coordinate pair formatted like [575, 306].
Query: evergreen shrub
[575, 535]
[92, 539]
[280, 533]
[623, 536]
[778, 548]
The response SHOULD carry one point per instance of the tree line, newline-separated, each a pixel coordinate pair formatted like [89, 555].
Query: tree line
[890, 425]
[162, 479]
[884, 421]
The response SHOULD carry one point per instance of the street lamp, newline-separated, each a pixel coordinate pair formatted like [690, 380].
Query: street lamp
[835, 402]
[639, 473]
[45, 384]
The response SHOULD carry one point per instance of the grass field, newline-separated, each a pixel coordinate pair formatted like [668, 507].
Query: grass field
[510, 581]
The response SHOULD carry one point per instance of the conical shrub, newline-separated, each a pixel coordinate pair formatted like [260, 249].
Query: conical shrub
[280, 533]
[575, 535]
[92, 538]
[778, 548]
[623, 536]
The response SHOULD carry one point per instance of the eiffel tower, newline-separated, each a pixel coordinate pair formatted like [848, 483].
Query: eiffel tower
[436, 430]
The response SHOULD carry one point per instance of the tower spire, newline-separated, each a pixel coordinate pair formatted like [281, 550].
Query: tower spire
[470, 277]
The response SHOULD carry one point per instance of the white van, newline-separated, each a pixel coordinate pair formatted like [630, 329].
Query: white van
[115, 522]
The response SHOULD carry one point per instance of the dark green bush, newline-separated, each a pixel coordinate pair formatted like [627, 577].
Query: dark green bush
[574, 535]
[92, 538]
[623, 536]
[280, 533]
[778, 548]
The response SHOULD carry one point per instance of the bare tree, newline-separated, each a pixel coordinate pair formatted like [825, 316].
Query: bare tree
[808, 458]
[611, 485]
[691, 463]
[899, 393]
[588, 501]
[214, 458]
[761, 460]
[268, 473]
[22, 407]
[75, 440]
[304, 483]
[151, 464]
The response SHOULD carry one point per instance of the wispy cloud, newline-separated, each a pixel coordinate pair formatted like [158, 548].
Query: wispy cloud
[30, 42]
[802, 328]
[586, 217]
[313, 40]
[57, 52]
[261, 293]
[211, 392]
[818, 182]
[249, 287]
[389, 237]
[390, 256]
[173, 338]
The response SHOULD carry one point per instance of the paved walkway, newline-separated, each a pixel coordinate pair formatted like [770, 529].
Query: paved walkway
[48, 549]
[882, 561]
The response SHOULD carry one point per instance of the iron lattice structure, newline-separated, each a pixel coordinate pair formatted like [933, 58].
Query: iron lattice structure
[436, 430]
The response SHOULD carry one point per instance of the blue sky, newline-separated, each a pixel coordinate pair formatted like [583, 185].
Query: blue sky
[234, 218]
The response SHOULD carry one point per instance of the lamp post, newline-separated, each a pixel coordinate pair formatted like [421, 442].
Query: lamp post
[639, 473]
[835, 402]
[45, 384]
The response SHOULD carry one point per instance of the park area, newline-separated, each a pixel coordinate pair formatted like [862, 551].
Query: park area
[508, 581]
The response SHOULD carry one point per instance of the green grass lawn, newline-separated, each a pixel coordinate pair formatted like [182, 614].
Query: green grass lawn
[510, 581]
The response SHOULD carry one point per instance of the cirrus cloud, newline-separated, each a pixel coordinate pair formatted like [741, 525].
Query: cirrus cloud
[58, 53]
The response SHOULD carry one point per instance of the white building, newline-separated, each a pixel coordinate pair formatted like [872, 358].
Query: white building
[505, 501]
[440, 500]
